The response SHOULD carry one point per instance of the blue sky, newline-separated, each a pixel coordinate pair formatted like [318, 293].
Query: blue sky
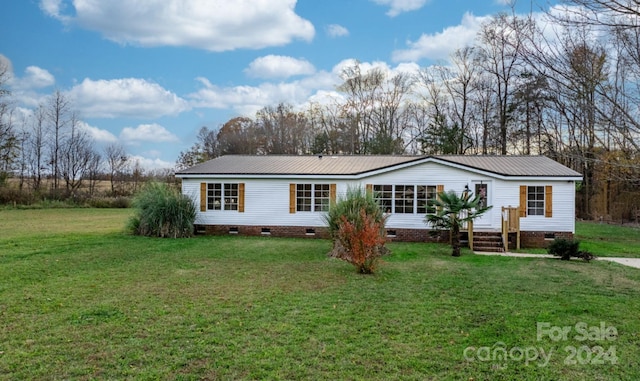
[149, 73]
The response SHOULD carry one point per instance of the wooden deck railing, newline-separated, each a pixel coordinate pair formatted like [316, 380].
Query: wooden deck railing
[510, 224]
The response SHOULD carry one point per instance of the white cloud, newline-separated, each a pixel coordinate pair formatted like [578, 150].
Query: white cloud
[36, 78]
[246, 100]
[215, 25]
[151, 164]
[25, 89]
[148, 133]
[316, 88]
[441, 45]
[98, 134]
[335, 30]
[129, 97]
[153, 153]
[54, 8]
[399, 6]
[272, 66]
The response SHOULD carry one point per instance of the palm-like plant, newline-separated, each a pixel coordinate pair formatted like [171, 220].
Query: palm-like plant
[452, 212]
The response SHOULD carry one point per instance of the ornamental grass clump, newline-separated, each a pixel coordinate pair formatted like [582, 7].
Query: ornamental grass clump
[162, 212]
[356, 225]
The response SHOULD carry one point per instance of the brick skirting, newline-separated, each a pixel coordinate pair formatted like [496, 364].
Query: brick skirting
[401, 235]
[527, 238]
[541, 239]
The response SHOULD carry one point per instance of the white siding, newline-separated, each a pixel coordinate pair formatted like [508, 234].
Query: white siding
[563, 202]
[267, 200]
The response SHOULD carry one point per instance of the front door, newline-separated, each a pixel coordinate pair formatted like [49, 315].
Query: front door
[483, 189]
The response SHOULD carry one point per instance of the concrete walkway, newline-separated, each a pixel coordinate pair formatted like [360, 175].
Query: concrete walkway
[632, 262]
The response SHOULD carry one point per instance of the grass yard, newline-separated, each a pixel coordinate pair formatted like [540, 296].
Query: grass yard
[81, 300]
[609, 240]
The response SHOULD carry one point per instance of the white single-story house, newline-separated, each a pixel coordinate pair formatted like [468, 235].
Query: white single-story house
[288, 195]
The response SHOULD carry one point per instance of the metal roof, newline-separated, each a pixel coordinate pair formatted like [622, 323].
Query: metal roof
[535, 166]
[296, 165]
[513, 165]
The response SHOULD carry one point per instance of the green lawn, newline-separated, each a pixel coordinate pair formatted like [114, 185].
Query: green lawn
[81, 300]
[609, 240]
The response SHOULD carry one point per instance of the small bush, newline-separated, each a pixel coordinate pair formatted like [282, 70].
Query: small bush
[162, 212]
[567, 249]
[15, 196]
[356, 224]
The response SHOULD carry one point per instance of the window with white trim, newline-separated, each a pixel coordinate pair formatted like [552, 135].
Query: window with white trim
[405, 198]
[384, 196]
[313, 197]
[222, 196]
[535, 201]
[424, 195]
[321, 197]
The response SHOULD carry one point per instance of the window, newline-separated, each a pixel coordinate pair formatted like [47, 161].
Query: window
[222, 196]
[214, 196]
[426, 194]
[481, 192]
[230, 196]
[313, 197]
[404, 198]
[535, 201]
[303, 197]
[321, 198]
[384, 196]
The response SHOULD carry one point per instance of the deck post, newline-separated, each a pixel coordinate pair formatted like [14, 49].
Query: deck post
[505, 229]
[470, 234]
[517, 218]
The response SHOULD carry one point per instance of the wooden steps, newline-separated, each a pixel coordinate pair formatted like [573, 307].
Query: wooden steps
[488, 241]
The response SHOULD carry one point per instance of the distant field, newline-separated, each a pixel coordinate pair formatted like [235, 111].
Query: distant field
[79, 299]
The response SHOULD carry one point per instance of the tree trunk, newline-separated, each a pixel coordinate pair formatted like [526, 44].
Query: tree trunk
[455, 240]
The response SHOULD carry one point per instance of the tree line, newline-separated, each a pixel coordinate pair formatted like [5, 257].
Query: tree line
[48, 154]
[567, 87]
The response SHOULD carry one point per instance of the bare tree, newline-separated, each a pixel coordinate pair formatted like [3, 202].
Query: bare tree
[8, 136]
[609, 13]
[58, 112]
[448, 93]
[282, 130]
[438, 136]
[76, 154]
[461, 89]
[332, 132]
[501, 42]
[360, 89]
[117, 163]
[94, 170]
[37, 138]
[376, 109]
[137, 174]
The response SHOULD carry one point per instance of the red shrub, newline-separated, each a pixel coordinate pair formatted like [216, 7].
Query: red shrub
[361, 242]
